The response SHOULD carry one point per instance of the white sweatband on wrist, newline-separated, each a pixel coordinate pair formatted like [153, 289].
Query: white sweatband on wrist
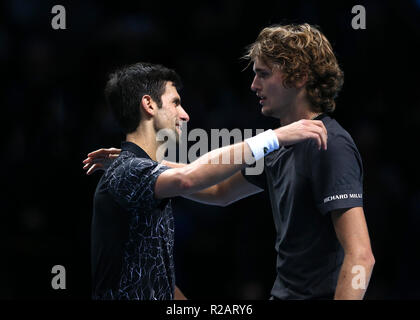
[263, 143]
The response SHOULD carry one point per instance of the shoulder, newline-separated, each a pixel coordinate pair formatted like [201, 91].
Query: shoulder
[129, 169]
[339, 140]
[337, 132]
[127, 162]
[131, 180]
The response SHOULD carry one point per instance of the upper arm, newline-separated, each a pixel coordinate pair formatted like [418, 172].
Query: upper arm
[236, 188]
[352, 232]
[226, 192]
[133, 183]
[336, 175]
[170, 183]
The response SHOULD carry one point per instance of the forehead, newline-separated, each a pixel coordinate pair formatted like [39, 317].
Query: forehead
[170, 91]
[259, 65]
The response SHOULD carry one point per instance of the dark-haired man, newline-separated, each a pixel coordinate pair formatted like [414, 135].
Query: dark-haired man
[132, 227]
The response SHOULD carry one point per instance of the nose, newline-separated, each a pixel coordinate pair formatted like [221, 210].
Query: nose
[255, 85]
[183, 115]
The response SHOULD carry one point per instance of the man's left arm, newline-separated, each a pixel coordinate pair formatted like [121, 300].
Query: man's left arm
[352, 232]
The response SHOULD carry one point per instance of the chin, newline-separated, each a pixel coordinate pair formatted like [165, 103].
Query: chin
[269, 112]
[266, 111]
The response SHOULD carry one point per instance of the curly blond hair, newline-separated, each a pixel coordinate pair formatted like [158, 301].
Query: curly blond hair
[301, 50]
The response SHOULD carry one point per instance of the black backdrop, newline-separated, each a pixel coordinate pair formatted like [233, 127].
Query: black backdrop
[54, 114]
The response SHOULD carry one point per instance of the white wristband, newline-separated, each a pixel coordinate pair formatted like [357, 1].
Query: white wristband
[263, 143]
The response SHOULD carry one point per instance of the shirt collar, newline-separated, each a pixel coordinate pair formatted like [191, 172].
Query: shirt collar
[321, 116]
[134, 148]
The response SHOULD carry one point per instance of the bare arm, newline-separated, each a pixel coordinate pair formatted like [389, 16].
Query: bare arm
[224, 193]
[203, 173]
[206, 171]
[351, 229]
[213, 168]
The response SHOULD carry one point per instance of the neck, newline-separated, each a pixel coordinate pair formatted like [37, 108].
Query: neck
[300, 110]
[145, 138]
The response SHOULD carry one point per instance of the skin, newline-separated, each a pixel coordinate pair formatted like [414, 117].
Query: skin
[351, 229]
[171, 113]
[290, 106]
[200, 176]
[286, 104]
[154, 119]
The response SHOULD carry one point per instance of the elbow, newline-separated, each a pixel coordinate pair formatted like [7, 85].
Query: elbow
[372, 260]
[365, 257]
[221, 196]
[185, 184]
[368, 258]
[225, 202]
[222, 203]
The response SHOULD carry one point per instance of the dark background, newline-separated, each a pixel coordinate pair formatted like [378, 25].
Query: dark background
[53, 114]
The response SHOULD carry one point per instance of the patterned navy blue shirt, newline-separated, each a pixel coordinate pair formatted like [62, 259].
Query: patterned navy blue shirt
[132, 231]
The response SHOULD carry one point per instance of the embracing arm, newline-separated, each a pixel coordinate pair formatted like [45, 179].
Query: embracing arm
[224, 193]
[209, 169]
[351, 229]
[212, 168]
[203, 173]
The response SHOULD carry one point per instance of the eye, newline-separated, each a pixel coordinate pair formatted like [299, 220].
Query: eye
[264, 75]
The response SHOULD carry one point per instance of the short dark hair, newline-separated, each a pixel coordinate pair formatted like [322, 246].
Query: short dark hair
[126, 87]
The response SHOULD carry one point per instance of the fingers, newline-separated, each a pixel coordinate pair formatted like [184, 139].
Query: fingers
[96, 153]
[320, 124]
[104, 152]
[96, 159]
[324, 133]
[100, 158]
[315, 136]
[323, 136]
[93, 168]
[318, 127]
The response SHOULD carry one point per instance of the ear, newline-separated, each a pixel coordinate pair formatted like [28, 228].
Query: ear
[301, 80]
[147, 105]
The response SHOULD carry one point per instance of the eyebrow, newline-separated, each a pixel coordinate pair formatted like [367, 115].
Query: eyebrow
[260, 70]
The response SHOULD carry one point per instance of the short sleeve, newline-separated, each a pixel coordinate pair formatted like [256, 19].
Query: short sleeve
[336, 174]
[259, 180]
[133, 183]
